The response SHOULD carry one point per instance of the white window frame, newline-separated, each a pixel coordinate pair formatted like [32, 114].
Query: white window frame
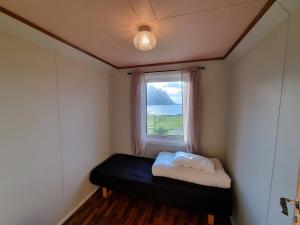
[170, 140]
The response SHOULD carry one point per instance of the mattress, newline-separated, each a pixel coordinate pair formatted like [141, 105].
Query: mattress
[164, 167]
[133, 175]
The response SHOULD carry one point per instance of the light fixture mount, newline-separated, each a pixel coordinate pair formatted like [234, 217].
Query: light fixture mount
[144, 40]
[144, 28]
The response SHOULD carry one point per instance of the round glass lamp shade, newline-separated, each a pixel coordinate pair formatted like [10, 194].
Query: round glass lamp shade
[144, 40]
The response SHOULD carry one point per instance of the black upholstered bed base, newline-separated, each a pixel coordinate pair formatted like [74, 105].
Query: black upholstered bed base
[133, 175]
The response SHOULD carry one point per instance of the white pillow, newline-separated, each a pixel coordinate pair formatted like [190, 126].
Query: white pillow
[194, 161]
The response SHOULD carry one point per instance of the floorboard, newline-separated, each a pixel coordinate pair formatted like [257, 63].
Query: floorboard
[120, 209]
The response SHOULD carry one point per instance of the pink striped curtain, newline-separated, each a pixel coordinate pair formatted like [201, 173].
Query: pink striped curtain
[137, 108]
[191, 98]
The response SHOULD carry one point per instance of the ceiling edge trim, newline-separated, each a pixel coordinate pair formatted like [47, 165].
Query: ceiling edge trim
[246, 31]
[37, 27]
[251, 25]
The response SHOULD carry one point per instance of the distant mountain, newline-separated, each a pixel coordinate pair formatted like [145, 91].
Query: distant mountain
[157, 96]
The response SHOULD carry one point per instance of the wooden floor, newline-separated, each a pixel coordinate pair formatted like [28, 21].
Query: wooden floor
[119, 209]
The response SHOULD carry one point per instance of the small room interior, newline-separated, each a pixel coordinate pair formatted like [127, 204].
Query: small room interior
[149, 112]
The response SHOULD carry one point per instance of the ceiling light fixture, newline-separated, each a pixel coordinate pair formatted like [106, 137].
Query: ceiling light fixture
[144, 40]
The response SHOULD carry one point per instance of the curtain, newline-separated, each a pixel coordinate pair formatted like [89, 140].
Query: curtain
[138, 112]
[191, 114]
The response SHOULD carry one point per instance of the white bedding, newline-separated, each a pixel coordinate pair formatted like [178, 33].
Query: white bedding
[190, 160]
[164, 167]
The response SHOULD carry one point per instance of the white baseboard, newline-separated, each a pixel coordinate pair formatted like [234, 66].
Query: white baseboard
[75, 208]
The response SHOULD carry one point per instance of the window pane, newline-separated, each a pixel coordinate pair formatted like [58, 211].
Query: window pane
[164, 108]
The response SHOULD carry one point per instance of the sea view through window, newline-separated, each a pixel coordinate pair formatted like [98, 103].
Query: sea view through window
[164, 109]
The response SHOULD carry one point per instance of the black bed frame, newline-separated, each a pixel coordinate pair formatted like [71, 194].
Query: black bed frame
[132, 175]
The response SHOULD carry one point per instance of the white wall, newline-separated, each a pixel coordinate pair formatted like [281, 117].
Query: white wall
[214, 82]
[287, 157]
[30, 168]
[255, 84]
[85, 125]
[54, 127]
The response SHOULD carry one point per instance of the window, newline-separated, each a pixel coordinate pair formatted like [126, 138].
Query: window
[164, 112]
[165, 109]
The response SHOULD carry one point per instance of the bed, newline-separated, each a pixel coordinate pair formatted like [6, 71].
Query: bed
[132, 175]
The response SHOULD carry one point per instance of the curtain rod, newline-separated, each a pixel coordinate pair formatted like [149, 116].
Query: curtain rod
[161, 71]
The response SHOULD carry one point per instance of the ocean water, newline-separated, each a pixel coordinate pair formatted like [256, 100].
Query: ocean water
[164, 109]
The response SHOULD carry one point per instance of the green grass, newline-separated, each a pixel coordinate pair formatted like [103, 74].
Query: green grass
[165, 125]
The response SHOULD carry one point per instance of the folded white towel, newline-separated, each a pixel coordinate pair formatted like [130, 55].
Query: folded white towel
[194, 161]
[164, 167]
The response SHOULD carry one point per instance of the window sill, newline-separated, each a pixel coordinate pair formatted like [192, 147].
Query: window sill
[165, 142]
